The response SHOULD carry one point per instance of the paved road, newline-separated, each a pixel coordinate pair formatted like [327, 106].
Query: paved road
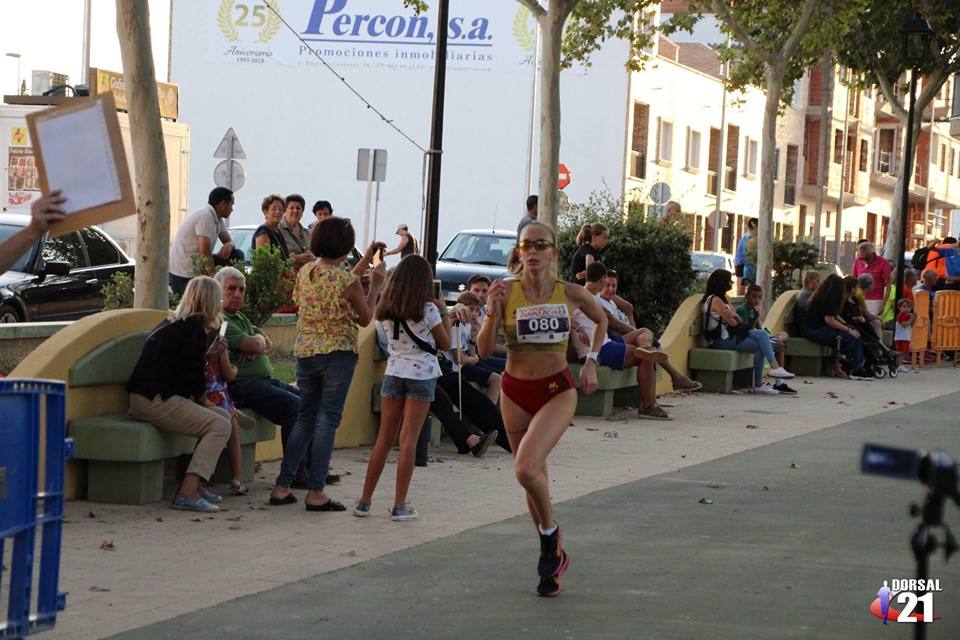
[782, 552]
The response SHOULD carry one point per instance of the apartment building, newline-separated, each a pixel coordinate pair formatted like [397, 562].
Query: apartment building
[674, 136]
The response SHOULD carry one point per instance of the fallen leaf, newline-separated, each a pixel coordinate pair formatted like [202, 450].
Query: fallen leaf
[831, 394]
[235, 518]
[752, 426]
[807, 382]
[235, 527]
[196, 520]
[107, 545]
[158, 519]
[91, 514]
[694, 436]
[350, 554]
[610, 434]
[592, 429]
[713, 484]
[683, 455]
[99, 589]
[794, 465]
[705, 501]
[766, 488]
[892, 402]
[257, 467]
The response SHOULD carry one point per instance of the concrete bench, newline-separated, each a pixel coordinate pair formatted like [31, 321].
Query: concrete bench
[721, 370]
[614, 389]
[127, 459]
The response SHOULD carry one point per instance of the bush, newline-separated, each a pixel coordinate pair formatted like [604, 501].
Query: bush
[652, 259]
[269, 284]
[790, 261]
[118, 293]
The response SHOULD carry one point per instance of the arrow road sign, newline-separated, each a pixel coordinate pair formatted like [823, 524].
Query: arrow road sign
[230, 146]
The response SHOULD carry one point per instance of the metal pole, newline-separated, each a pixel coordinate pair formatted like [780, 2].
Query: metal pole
[534, 86]
[718, 215]
[436, 137]
[926, 207]
[823, 160]
[376, 211]
[843, 170]
[908, 174]
[366, 215]
[85, 70]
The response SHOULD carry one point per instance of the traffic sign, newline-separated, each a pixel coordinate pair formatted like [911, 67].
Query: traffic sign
[230, 174]
[372, 169]
[660, 192]
[230, 146]
[563, 179]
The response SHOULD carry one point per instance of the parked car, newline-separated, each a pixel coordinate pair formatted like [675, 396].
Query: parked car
[471, 252]
[706, 262]
[242, 236]
[58, 278]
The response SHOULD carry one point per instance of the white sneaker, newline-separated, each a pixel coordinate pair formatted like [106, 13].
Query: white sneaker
[780, 372]
[765, 389]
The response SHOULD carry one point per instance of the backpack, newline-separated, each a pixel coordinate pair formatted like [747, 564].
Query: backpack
[919, 259]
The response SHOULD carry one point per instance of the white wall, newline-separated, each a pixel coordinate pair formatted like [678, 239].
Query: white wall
[301, 127]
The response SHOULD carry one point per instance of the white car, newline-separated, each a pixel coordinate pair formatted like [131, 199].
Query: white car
[706, 262]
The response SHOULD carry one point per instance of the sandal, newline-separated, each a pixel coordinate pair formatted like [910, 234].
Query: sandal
[655, 412]
[694, 385]
[238, 487]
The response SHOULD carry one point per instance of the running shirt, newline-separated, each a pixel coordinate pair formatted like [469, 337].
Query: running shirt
[537, 327]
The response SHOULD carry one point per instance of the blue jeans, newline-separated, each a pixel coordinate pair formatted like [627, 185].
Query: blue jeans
[757, 342]
[324, 381]
[849, 346]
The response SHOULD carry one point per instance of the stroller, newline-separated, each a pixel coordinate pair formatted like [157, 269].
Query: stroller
[876, 354]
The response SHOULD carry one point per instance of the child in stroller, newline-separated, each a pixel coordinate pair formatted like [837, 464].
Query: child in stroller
[879, 360]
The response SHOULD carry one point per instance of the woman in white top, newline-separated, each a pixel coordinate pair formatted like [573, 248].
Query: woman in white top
[722, 329]
[417, 328]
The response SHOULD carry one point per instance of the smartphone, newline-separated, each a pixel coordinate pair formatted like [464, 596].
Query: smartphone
[437, 289]
[223, 328]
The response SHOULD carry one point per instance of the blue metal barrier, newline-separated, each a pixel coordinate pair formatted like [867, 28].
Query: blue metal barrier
[25, 508]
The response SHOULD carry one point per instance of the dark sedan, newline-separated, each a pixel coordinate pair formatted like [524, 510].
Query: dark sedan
[58, 278]
[473, 252]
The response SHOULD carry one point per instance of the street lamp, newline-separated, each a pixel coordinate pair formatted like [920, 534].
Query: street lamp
[915, 41]
[17, 56]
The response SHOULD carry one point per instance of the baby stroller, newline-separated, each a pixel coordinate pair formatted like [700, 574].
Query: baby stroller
[879, 359]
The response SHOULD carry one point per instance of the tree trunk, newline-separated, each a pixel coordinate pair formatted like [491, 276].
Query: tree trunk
[551, 33]
[149, 155]
[892, 245]
[775, 75]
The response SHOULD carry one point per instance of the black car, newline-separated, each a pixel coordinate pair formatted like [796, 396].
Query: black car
[61, 280]
[472, 252]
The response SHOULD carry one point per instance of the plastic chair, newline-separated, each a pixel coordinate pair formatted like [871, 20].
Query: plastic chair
[920, 336]
[946, 324]
[31, 502]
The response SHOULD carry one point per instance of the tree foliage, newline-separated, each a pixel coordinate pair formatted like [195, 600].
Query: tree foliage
[268, 284]
[652, 259]
[790, 261]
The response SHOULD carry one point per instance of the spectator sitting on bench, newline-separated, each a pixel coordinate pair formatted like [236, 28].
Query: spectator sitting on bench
[603, 283]
[749, 313]
[811, 282]
[254, 386]
[167, 387]
[723, 329]
[464, 330]
[478, 285]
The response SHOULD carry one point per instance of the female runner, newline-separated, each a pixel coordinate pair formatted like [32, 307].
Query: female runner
[539, 395]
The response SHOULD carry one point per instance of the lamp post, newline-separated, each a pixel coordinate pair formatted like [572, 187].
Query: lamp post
[17, 56]
[915, 40]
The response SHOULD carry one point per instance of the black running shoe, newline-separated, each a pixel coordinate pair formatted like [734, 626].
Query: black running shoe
[551, 555]
[784, 389]
[549, 587]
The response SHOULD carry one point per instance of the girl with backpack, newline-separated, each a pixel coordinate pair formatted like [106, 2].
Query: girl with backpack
[417, 328]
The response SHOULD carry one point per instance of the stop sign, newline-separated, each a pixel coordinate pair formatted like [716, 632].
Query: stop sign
[564, 176]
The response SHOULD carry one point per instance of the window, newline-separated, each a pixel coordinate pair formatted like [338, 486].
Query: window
[829, 218]
[65, 249]
[732, 157]
[693, 149]
[752, 152]
[790, 179]
[837, 146]
[99, 249]
[864, 154]
[886, 148]
[953, 154]
[664, 140]
[943, 157]
[638, 146]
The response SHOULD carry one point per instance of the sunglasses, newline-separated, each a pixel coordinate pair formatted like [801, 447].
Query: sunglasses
[535, 245]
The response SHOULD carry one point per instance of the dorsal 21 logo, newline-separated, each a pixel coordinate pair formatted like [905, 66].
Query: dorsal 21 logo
[911, 593]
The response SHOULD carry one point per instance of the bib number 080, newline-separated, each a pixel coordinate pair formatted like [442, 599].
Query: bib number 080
[544, 324]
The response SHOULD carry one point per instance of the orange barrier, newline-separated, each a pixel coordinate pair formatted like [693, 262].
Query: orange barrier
[946, 324]
[920, 336]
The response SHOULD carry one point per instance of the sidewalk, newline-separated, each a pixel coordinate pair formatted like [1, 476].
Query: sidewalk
[165, 563]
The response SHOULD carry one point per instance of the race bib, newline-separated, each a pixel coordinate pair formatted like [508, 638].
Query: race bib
[543, 324]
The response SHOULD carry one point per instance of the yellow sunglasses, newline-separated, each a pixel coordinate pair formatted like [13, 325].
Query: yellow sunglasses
[535, 245]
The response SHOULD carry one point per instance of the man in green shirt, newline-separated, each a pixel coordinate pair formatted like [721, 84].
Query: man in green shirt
[254, 387]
